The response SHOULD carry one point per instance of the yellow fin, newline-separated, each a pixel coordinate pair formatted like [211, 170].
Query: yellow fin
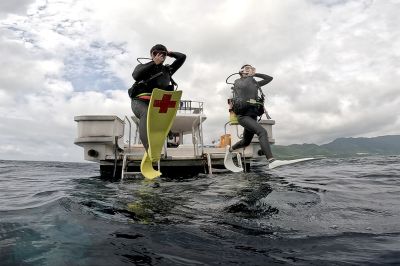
[146, 167]
[160, 117]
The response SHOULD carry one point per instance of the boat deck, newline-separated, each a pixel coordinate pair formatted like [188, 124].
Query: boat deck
[178, 161]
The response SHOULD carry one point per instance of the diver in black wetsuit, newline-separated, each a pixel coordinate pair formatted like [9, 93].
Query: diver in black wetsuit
[246, 93]
[153, 74]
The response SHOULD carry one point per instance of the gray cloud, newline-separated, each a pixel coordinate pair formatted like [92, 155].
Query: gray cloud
[16, 6]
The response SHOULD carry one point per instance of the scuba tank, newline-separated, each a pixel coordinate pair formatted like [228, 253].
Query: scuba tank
[239, 106]
[232, 115]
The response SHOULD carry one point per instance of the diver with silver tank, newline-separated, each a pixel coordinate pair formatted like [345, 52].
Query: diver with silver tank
[247, 104]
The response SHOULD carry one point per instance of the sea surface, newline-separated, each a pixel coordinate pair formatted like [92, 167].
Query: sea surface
[326, 212]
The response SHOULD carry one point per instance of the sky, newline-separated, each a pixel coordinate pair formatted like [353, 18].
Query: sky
[335, 64]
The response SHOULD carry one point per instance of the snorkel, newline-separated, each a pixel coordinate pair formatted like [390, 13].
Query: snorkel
[231, 75]
[156, 50]
[143, 58]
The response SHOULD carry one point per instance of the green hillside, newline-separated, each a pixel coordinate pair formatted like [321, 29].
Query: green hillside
[383, 145]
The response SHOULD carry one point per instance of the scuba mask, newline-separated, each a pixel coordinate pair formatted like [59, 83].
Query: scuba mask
[156, 52]
[247, 70]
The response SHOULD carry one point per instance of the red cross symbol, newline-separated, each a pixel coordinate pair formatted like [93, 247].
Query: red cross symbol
[164, 103]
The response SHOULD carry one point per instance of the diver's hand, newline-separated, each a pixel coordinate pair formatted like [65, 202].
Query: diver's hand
[252, 72]
[159, 59]
[244, 73]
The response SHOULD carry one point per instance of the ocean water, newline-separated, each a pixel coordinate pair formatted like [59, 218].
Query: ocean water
[326, 212]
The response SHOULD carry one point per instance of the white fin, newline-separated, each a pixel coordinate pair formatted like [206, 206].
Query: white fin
[278, 163]
[228, 162]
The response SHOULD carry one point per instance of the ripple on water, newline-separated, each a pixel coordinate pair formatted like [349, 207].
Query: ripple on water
[331, 211]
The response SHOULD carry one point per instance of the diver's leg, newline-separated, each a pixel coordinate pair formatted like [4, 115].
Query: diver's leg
[140, 108]
[247, 134]
[250, 124]
[245, 141]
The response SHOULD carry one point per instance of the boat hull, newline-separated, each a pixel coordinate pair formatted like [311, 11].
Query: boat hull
[169, 168]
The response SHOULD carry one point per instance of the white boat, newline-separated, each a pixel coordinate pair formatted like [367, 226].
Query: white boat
[114, 144]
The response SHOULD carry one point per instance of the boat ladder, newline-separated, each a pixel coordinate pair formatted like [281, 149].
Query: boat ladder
[126, 158]
[125, 165]
[209, 161]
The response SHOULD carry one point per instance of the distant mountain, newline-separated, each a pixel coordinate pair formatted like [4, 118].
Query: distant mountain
[383, 145]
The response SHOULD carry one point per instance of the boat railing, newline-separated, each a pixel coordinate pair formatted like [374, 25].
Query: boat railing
[185, 107]
[130, 130]
[190, 107]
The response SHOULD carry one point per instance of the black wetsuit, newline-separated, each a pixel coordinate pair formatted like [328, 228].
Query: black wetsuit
[143, 72]
[246, 88]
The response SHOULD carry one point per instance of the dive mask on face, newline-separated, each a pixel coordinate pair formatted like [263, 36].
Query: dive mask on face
[247, 70]
[156, 52]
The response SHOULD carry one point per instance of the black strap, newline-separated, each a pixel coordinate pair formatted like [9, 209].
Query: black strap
[144, 82]
[159, 74]
[263, 103]
[174, 84]
[152, 77]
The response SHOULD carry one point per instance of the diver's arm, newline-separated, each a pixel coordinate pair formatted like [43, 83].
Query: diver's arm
[140, 70]
[265, 79]
[179, 60]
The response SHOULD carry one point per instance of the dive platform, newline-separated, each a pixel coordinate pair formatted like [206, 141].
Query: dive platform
[114, 143]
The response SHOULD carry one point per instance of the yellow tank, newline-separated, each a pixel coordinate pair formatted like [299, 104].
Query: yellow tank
[233, 118]
[225, 140]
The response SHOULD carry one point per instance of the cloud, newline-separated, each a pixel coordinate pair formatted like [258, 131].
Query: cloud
[335, 65]
[16, 6]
